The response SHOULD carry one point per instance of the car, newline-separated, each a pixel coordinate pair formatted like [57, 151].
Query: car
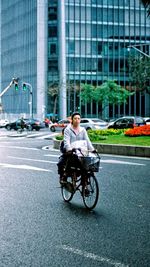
[126, 122]
[3, 122]
[93, 123]
[59, 125]
[15, 125]
[47, 122]
[30, 124]
[147, 120]
[34, 124]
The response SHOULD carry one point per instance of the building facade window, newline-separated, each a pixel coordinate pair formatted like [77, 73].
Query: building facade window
[52, 13]
[52, 31]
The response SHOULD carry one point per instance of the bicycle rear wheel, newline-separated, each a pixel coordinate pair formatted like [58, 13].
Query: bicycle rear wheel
[19, 130]
[67, 190]
[90, 192]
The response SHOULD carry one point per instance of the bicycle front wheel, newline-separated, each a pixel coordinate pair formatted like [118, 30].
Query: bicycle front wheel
[90, 192]
[67, 190]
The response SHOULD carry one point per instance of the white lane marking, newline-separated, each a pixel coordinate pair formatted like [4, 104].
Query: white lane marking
[20, 147]
[47, 136]
[51, 155]
[36, 160]
[2, 137]
[25, 167]
[93, 256]
[125, 157]
[104, 161]
[18, 138]
[34, 135]
[112, 161]
[14, 138]
[50, 147]
[121, 162]
[55, 162]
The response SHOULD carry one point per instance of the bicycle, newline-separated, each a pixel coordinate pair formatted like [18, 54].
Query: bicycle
[20, 130]
[26, 128]
[79, 171]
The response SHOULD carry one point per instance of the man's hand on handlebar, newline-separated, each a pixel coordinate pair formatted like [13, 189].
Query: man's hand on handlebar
[75, 149]
[69, 152]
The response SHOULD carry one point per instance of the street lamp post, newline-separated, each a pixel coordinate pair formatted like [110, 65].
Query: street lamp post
[135, 47]
[138, 47]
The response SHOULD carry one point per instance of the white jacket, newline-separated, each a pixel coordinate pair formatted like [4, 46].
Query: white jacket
[70, 136]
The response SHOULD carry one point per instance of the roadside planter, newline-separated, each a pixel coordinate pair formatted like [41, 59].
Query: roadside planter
[125, 150]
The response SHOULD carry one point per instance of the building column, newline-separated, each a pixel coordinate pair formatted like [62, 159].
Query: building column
[147, 105]
[42, 57]
[62, 59]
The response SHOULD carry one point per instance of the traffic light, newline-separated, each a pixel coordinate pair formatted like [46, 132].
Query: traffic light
[24, 87]
[16, 86]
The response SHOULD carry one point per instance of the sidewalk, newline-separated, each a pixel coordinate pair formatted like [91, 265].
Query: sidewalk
[125, 150]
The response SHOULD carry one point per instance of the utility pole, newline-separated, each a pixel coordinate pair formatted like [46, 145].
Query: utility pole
[24, 85]
[62, 61]
[13, 81]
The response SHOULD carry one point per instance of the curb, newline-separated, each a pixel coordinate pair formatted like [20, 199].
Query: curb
[125, 150]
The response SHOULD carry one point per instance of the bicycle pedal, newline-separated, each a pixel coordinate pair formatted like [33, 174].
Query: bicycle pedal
[86, 193]
[69, 187]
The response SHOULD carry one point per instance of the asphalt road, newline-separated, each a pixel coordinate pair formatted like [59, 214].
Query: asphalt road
[38, 229]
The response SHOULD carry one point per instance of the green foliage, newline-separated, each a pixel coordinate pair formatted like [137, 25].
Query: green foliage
[59, 137]
[94, 136]
[97, 135]
[139, 67]
[112, 93]
[111, 136]
[86, 94]
[107, 93]
[125, 140]
[146, 4]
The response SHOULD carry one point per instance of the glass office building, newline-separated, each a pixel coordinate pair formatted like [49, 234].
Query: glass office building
[24, 55]
[97, 35]
[58, 45]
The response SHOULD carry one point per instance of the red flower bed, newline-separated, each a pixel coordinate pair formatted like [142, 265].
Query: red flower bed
[139, 131]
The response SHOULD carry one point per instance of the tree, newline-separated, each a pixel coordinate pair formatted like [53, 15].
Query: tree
[139, 68]
[111, 92]
[87, 92]
[146, 4]
[107, 93]
[53, 90]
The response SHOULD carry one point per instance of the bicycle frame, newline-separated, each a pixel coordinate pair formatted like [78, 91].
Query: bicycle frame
[79, 182]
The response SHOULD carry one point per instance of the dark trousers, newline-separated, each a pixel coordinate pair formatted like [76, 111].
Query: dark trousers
[61, 164]
[65, 161]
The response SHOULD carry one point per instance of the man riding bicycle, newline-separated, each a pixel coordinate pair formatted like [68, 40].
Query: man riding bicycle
[72, 133]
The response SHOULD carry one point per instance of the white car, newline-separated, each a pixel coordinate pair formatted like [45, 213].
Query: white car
[3, 122]
[93, 123]
[147, 120]
[58, 125]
